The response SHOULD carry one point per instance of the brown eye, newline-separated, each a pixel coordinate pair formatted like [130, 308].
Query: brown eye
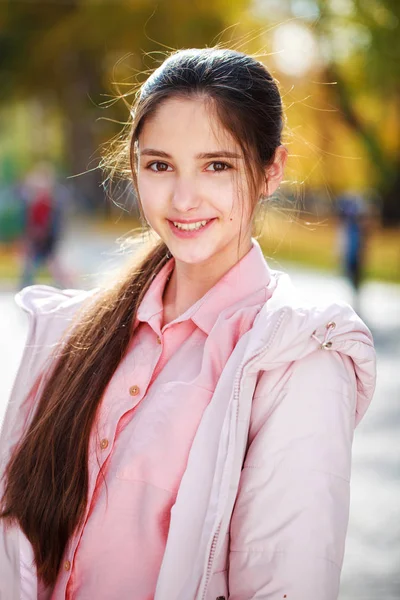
[218, 166]
[158, 166]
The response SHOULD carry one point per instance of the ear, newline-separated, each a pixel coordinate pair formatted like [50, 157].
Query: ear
[274, 172]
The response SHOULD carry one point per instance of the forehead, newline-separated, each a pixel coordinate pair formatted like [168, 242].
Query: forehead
[183, 122]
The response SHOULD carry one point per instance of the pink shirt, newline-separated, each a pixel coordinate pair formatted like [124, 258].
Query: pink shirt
[148, 419]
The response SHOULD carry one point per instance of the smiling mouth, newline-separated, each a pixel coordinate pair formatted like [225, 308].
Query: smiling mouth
[191, 226]
[190, 230]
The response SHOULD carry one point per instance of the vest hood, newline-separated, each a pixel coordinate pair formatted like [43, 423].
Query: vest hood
[289, 327]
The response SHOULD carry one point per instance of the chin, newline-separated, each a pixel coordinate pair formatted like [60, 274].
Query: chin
[192, 258]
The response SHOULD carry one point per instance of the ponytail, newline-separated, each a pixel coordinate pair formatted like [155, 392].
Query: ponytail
[46, 480]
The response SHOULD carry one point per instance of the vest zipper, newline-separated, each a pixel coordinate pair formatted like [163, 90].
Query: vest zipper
[211, 560]
[236, 397]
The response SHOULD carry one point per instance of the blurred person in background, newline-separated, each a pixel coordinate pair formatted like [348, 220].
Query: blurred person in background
[45, 204]
[185, 431]
[353, 228]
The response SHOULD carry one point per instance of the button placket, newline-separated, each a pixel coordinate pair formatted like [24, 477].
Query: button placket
[134, 390]
[104, 444]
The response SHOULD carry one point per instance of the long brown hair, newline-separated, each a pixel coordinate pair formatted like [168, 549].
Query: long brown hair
[46, 480]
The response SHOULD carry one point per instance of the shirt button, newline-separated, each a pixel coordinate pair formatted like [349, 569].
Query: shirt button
[158, 340]
[104, 444]
[134, 390]
[67, 565]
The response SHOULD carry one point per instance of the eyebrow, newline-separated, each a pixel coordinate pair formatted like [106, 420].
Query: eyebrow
[201, 156]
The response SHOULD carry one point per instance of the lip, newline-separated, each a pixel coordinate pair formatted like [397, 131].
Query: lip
[189, 234]
[187, 221]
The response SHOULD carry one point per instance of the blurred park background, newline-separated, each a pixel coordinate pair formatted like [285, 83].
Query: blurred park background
[337, 62]
[63, 64]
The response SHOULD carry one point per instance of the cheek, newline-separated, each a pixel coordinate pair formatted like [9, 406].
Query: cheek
[238, 201]
[221, 191]
[152, 194]
[145, 186]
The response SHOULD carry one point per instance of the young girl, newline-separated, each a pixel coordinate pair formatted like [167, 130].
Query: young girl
[186, 432]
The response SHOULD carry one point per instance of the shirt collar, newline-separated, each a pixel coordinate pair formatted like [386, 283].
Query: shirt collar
[249, 275]
[152, 303]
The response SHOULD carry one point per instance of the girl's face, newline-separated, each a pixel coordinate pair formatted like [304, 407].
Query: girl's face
[191, 174]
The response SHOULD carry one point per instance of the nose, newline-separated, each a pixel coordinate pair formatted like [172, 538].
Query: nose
[185, 196]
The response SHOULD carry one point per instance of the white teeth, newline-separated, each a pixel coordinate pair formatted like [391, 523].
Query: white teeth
[190, 226]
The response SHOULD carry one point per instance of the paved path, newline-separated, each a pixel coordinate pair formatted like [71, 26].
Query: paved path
[372, 562]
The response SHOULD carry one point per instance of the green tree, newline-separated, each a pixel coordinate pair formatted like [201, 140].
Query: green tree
[62, 53]
[364, 54]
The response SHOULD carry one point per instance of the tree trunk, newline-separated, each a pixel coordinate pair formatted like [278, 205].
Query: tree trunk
[391, 202]
[82, 145]
[387, 167]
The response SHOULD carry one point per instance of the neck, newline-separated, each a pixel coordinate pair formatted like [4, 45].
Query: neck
[188, 283]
